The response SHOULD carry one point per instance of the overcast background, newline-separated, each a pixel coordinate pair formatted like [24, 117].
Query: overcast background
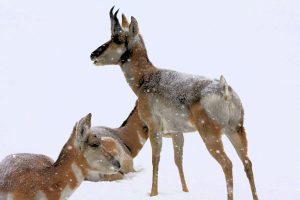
[47, 83]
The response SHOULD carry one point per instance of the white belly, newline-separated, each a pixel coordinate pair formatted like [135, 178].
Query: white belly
[172, 119]
[6, 196]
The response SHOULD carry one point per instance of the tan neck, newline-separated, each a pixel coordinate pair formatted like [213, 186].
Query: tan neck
[133, 132]
[137, 67]
[67, 172]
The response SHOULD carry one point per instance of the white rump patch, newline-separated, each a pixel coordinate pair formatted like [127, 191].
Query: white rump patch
[220, 110]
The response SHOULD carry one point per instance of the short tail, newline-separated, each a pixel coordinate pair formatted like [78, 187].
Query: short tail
[225, 87]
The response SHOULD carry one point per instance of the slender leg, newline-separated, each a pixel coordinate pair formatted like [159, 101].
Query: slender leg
[155, 139]
[156, 143]
[111, 177]
[211, 135]
[178, 141]
[213, 142]
[239, 141]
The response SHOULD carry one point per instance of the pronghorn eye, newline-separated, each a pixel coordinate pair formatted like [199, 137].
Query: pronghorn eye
[95, 145]
[116, 40]
[145, 129]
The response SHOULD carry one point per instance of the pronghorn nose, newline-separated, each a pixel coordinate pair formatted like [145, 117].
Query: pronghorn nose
[95, 54]
[99, 51]
[116, 163]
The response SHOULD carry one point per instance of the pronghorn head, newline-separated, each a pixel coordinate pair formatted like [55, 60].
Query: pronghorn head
[98, 156]
[122, 39]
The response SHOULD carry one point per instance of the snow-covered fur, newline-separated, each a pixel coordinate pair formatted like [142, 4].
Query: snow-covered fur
[173, 102]
[37, 177]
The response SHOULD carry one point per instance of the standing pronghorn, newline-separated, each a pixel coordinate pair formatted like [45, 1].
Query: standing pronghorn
[132, 135]
[173, 102]
[37, 177]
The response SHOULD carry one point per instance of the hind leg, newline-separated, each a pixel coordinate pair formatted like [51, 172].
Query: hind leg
[215, 147]
[239, 141]
[178, 141]
[211, 135]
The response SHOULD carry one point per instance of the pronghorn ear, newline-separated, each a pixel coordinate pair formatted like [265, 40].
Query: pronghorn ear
[133, 27]
[82, 127]
[125, 23]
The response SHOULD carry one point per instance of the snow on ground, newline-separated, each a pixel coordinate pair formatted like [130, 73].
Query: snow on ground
[47, 83]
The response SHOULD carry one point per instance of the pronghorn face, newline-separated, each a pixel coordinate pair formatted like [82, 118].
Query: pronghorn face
[99, 158]
[110, 53]
[115, 50]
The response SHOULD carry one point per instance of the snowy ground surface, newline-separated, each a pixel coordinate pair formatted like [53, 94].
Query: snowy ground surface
[47, 83]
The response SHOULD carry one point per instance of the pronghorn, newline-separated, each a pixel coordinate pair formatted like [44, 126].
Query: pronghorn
[132, 135]
[174, 102]
[37, 177]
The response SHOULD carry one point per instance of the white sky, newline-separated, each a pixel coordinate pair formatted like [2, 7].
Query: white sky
[47, 83]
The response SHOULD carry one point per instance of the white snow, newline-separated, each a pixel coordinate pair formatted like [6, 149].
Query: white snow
[47, 83]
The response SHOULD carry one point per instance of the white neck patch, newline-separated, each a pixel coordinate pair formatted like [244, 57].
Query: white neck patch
[66, 193]
[40, 196]
[141, 139]
[77, 172]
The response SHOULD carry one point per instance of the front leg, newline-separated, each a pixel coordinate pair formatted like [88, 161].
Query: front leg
[111, 177]
[152, 123]
[178, 141]
[156, 143]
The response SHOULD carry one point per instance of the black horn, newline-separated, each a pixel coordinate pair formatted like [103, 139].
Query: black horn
[115, 25]
[111, 13]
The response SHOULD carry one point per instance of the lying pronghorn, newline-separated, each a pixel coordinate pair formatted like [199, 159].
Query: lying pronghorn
[132, 135]
[37, 177]
[173, 102]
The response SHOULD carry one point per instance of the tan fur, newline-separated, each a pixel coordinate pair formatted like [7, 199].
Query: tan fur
[209, 131]
[51, 179]
[130, 133]
[225, 106]
[40, 174]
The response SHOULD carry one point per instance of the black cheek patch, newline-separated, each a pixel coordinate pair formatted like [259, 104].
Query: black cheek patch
[126, 55]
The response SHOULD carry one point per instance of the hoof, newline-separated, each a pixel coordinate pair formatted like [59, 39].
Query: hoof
[153, 193]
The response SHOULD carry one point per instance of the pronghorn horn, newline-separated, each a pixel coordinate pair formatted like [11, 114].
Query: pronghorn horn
[115, 15]
[115, 25]
[111, 13]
